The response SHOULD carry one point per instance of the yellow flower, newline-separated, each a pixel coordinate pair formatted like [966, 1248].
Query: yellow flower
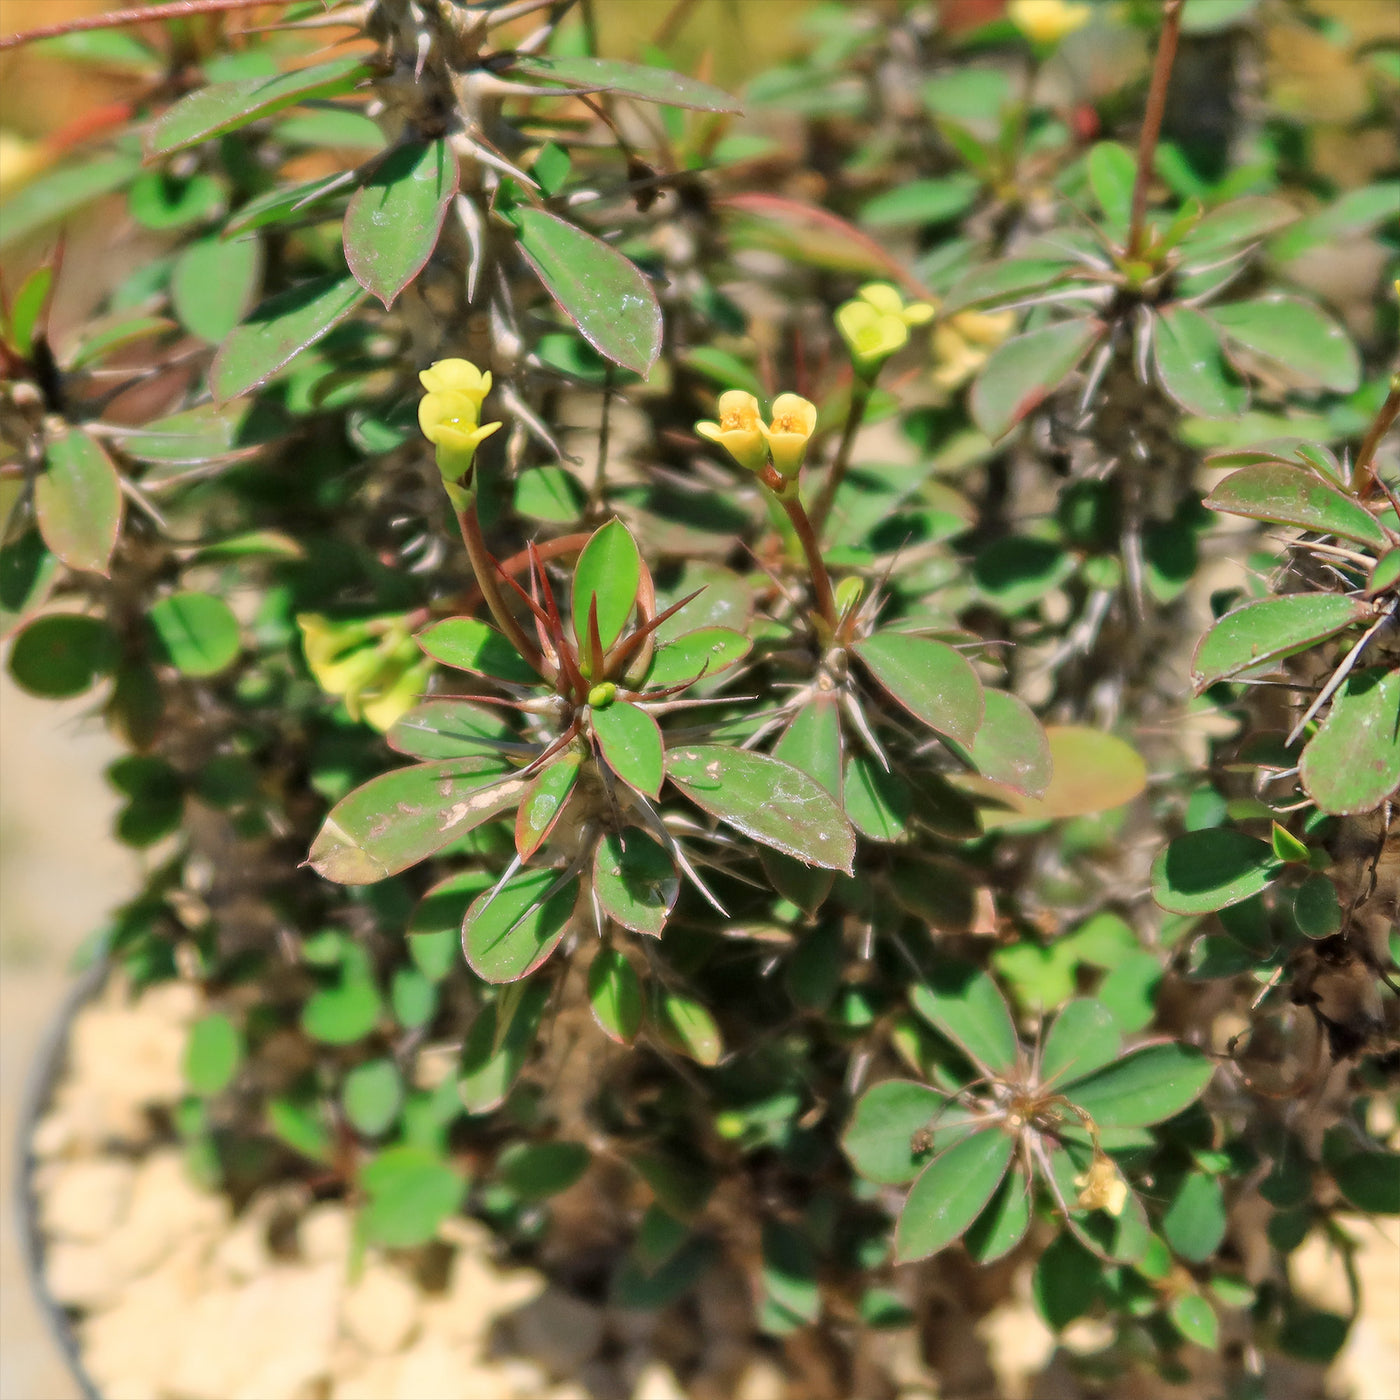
[1103, 1187]
[876, 324]
[787, 436]
[1046, 22]
[449, 414]
[739, 430]
[962, 343]
[373, 665]
[457, 377]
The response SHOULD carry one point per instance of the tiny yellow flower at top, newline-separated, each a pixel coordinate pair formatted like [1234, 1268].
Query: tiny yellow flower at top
[794, 420]
[1103, 1186]
[739, 430]
[449, 414]
[962, 343]
[456, 377]
[1046, 22]
[876, 323]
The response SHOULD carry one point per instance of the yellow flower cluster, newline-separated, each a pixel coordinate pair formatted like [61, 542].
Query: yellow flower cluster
[1046, 22]
[875, 323]
[450, 414]
[373, 665]
[1103, 1186]
[962, 343]
[742, 432]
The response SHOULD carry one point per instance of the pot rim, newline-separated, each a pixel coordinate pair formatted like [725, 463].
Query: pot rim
[47, 1069]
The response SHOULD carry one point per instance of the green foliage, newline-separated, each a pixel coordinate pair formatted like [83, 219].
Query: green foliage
[857, 841]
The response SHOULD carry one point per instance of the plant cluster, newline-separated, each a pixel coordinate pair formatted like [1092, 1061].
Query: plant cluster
[785, 565]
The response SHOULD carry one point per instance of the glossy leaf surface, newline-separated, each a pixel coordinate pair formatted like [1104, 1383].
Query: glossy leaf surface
[1024, 371]
[935, 683]
[1269, 630]
[626, 79]
[1212, 869]
[78, 500]
[635, 881]
[509, 933]
[631, 745]
[950, 1193]
[1352, 764]
[1289, 495]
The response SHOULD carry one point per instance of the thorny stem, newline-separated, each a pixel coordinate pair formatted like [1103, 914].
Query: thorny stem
[1152, 121]
[485, 568]
[836, 474]
[114, 19]
[1363, 479]
[802, 524]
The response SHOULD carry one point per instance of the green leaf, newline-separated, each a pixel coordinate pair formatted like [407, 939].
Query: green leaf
[1194, 1222]
[1352, 764]
[510, 931]
[26, 308]
[630, 742]
[302, 1127]
[877, 803]
[161, 201]
[683, 1023]
[535, 1171]
[348, 1009]
[789, 1271]
[283, 202]
[213, 1053]
[393, 220]
[220, 107]
[1370, 1181]
[449, 729]
[1015, 573]
[62, 654]
[431, 805]
[1143, 1087]
[411, 1190]
[920, 202]
[1021, 373]
[213, 285]
[542, 802]
[197, 632]
[598, 289]
[635, 882]
[203, 434]
[615, 995]
[1066, 1282]
[1240, 221]
[468, 644]
[1357, 211]
[935, 683]
[372, 1096]
[1386, 575]
[992, 283]
[1270, 630]
[1010, 747]
[1112, 174]
[1002, 1225]
[1191, 365]
[496, 1048]
[413, 996]
[967, 1006]
[625, 79]
[1289, 495]
[27, 571]
[950, 1193]
[280, 329]
[766, 799]
[78, 501]
[608, 574]
[1129, 990]
[435, 931]
[706, 651]
[812, 742]
[1212, 869]
[1083, 1038]
[1316, 909]
[62, 192]
[549, 493]
[879, 1139]
[1296, 334]
[1195, 1319]
[334, 125]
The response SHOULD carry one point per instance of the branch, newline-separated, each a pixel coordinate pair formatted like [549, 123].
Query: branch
[1152, 120]
[115, 19]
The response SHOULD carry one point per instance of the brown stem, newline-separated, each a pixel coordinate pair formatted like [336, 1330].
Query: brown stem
[1152, 120]
[114, 19]
[836, 474]
[1363, 479]
[822, 595]
[485, 567]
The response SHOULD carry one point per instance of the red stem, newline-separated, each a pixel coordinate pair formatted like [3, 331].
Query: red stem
[114, 19]
[1152, 120]
[1363, 479]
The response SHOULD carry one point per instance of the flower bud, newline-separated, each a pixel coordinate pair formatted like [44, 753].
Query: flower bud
[794, 420]
[739, 430]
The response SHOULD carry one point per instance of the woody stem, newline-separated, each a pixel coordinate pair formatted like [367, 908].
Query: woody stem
[1152, 122]
[822, 595]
